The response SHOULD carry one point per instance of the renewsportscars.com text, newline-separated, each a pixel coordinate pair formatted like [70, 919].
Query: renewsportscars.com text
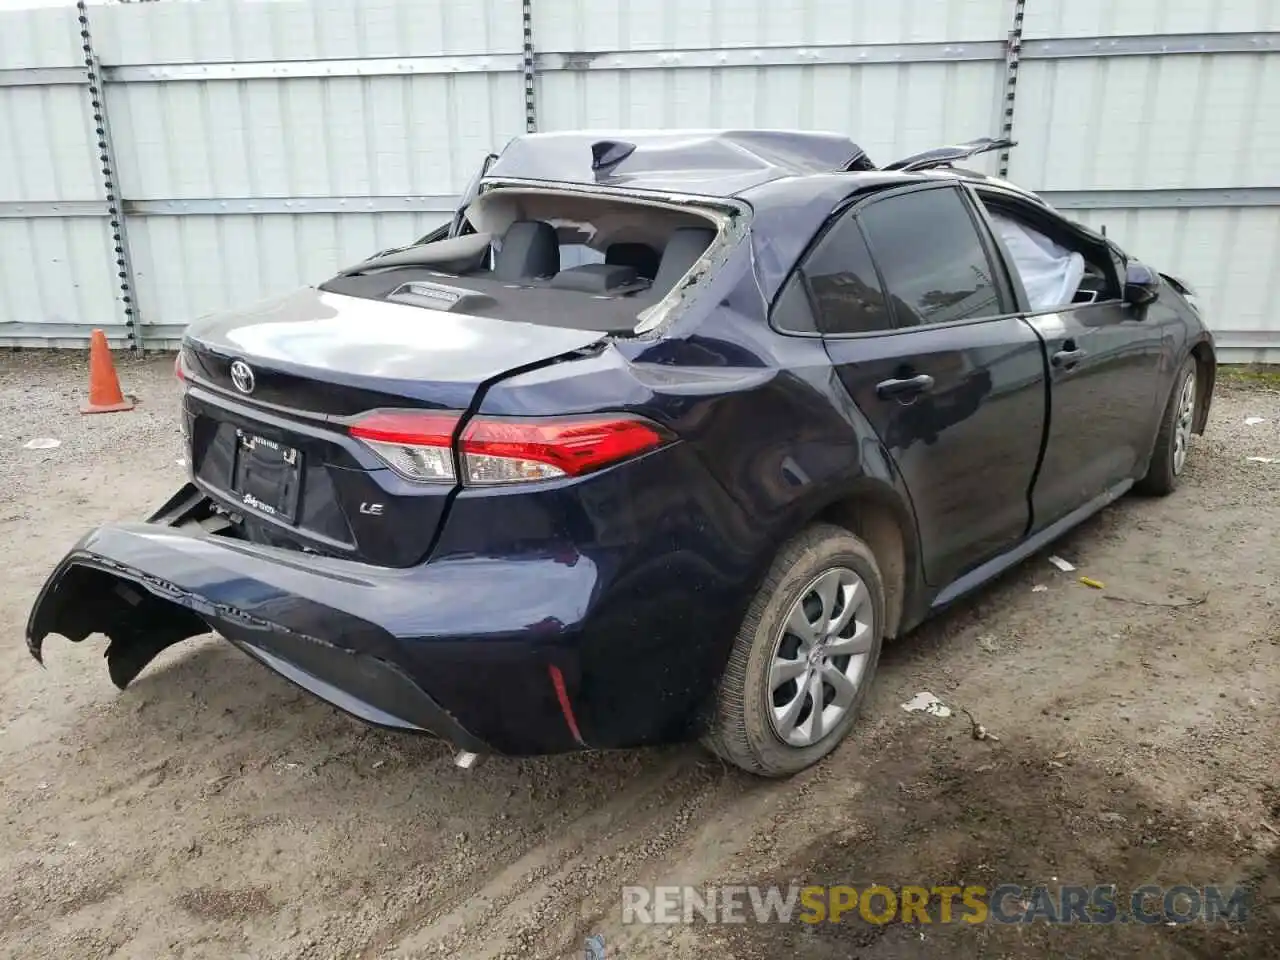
[973, 904]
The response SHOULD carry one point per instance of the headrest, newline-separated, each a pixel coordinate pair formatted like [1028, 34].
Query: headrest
[639, 255]
[530, 250]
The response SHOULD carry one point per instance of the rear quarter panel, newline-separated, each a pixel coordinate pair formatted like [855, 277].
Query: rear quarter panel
[681, 538]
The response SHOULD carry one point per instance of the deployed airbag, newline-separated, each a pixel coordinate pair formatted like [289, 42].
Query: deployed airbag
[1050, 272]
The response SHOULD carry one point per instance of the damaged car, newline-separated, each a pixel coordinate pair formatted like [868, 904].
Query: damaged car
[658, 439]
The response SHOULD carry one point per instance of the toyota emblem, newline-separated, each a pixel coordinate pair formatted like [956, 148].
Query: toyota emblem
[242, 376]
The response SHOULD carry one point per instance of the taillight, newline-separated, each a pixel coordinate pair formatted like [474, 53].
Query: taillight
[418, 445]
[178, 370]
[513, 450]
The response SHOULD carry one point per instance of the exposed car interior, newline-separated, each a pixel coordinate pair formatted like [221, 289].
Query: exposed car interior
[544, 257]
[1053, 275]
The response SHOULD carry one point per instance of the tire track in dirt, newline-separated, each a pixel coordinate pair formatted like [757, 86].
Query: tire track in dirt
[495, 909]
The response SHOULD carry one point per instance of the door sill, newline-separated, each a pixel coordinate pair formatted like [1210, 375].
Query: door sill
[997, 565]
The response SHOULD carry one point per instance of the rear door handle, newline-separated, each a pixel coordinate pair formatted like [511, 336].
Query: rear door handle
[904, 388]
[1067, 358]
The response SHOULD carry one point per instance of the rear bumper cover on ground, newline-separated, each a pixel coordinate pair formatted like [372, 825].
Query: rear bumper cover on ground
[402, 648]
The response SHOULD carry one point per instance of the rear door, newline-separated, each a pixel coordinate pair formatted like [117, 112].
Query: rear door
[920, 323]
[1104, 353]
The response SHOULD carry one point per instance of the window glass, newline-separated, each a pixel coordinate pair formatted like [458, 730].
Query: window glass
[791, 312]
[932, 260]
[843, 283]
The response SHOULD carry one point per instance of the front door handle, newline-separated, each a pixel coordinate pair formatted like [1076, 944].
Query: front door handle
[1067, 358]
[904, 388]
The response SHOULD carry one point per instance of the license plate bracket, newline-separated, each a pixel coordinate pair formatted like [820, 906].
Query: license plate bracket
[267, 476]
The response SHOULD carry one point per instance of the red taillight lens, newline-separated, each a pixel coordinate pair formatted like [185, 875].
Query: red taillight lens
[512, 451]
[178, 370]
[418, 445]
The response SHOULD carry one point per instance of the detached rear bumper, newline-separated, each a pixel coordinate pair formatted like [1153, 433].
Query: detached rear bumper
[422, 649]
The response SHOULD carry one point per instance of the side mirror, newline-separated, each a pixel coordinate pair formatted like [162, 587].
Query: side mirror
[1141, 284]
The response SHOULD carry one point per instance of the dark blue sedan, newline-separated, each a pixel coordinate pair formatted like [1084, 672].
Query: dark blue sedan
[659, 439]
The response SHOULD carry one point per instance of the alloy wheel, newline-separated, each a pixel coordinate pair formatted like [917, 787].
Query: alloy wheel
[1182, 427]
[820, 657]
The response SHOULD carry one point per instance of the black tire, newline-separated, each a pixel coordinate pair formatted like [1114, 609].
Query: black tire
[741, 729]
[1162, 474]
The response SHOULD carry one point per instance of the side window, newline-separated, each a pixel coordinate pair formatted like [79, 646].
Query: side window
[792, 311]
[1057, 271]
[843, 284]
[931, 257]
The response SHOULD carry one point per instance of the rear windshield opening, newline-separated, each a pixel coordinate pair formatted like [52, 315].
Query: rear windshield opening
[548, 257]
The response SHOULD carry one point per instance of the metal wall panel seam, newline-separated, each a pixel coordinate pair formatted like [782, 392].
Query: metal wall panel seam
[530, 62]
[1149, 45]
[767, 56]
[1156, 199]
[294, 69]
[241, 206]
[102, 127]
[43, 77]
[30, 209]
[1170, 198]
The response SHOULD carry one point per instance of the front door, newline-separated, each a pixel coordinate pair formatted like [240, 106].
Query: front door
[1104, 358]
[923, 335]
[1103, 374]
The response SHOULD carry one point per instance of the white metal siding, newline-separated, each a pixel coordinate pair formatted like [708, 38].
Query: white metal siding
[891, 109]
[348, 136]
[564, 25]
[895, 109]
[1177, 121]
[1191, 120]
[58, 273]
[39, 38]
[1110, 18]
[1231, 257]
[262, 145]
[47, 145]
[192, 265]
[232, 30]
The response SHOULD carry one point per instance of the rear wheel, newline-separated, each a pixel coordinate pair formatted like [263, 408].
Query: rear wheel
[1174, 438]
[803, 658]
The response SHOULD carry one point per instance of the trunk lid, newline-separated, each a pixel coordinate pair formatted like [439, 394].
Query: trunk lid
[272, 391]
[325, 352]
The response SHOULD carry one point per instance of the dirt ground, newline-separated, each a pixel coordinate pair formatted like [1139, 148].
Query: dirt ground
[212, 810]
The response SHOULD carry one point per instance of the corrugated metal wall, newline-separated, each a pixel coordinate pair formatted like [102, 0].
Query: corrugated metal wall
[57, 272]
[1183, 141]
[259, 146]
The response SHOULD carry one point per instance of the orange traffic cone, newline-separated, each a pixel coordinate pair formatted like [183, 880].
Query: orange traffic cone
[104, 385]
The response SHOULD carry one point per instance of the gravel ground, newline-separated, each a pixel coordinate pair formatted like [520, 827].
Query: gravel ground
[214, 811]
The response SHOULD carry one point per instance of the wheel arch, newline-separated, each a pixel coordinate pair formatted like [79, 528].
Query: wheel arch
[1206, 376]
[875, 513]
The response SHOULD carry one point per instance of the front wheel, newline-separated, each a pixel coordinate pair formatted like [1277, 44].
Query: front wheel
[803, 658]
[1174, 437]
